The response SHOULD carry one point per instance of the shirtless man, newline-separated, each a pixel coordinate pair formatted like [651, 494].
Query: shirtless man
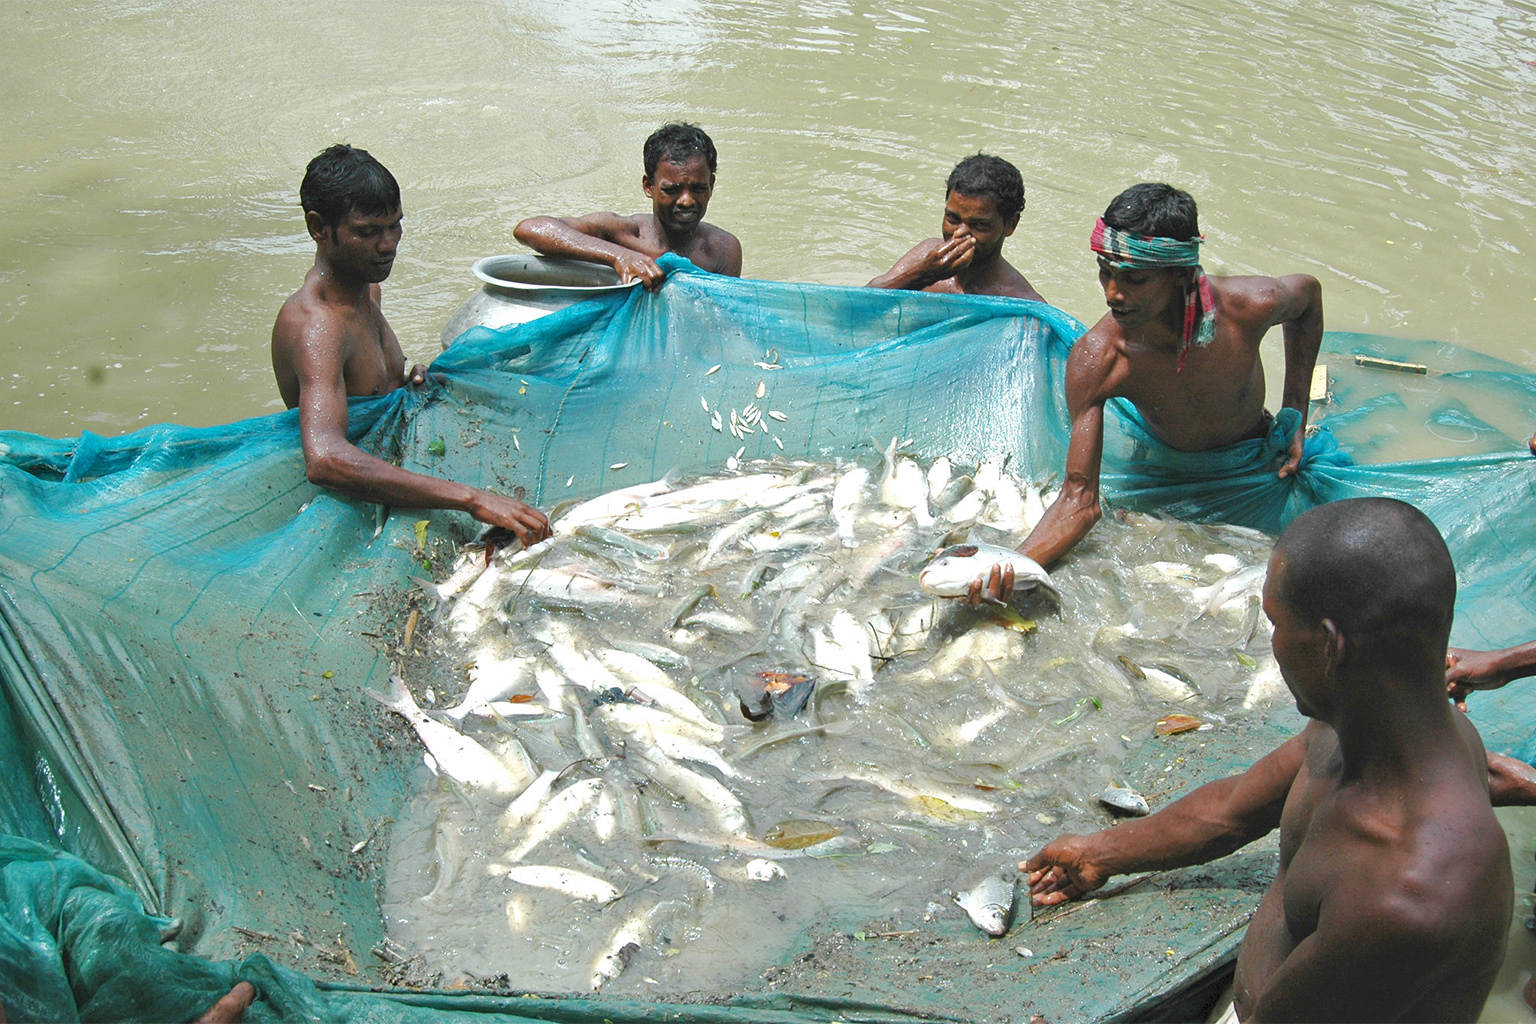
[1394, 894]
[982, 202]
[331, 342]
[679, 179]
[1181, 346]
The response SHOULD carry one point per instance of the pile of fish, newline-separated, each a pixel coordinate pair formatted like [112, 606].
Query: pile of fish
[697, 689]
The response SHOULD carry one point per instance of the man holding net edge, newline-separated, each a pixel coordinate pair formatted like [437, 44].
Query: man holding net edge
[1183, 349]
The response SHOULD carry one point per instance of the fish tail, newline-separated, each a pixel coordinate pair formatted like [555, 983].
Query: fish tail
[396, 697]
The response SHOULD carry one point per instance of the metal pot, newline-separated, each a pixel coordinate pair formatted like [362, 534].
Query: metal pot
[522, 287]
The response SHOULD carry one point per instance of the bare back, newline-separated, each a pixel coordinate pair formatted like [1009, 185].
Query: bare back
[1402, 889]
[318, 341]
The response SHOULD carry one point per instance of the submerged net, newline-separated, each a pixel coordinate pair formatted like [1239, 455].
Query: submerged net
[188, 627]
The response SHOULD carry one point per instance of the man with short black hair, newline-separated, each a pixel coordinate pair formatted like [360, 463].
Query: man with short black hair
[983, 199]
[1393, 894]
[331, 343]
[1183, 349]
[679, 180]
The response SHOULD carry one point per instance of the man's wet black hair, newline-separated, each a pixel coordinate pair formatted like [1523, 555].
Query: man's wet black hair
[1153, 208]
[989, 177]
[1378, 568]
[342, 179]
[677, 143]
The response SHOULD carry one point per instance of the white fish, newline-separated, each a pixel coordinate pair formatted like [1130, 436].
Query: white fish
[656, 654]
[721, 622]
[605, 508]
[507, 709]
[952, 570]
[521, 810]
[1163, 685]
[843, 650]
[563, 808]
[492, 679]
[913, 488]
[729, 534]
[938, 477]
[672, 744]
[1230, 589]
[633, 669]
[575, 884]
[762, 388]
[898, 787]
[911, 628]
[777, 415]
[761, 869]
[968, 507]
[1008, 502]
[457, 756]
[582, 669]
[465, 571]
[989, 904]
[551, 684]
[709, 797]
[1224, 562]
[471, 611]
[846, 497]
[722, 491]
[637, 719]
[1266, 686]
[605, 816]
[563, 586]
[622, 946]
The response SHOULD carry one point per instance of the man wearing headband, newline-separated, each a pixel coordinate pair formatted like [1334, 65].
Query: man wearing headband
[1182, 347]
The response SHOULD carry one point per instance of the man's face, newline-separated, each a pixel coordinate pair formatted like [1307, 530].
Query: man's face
[362, 246]
[977, 217]
[680, 193]
[1301, 649]
[1137, 298]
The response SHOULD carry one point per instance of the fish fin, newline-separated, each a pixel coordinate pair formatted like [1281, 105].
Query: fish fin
[397, 697]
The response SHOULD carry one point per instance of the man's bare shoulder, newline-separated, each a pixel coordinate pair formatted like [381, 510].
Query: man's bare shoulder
[1255, 299]
[1097, 362]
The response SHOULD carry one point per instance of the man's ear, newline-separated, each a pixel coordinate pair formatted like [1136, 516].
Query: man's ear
[1337, 649]
[317, 226]
[646, 184]
[1012, 224]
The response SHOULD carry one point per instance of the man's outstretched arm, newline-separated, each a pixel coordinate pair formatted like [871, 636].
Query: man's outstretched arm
[331, 461]
[595, 238]
[1299, 309]
[1211, 822]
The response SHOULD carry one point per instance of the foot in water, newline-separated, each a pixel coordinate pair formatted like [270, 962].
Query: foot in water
[231, 1006]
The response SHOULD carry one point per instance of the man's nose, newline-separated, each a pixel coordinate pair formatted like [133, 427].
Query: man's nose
[686, 198]
[1112, 292]
[962, 231]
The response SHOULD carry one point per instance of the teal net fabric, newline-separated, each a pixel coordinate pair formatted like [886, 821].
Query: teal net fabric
[187, 625]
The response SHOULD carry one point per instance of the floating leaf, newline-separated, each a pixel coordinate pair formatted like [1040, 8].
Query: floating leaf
[421, 532]
[437, 446]
[327, 674]
[797, 835]
[520, 698]
[938, 807]
[1246, 661]
[861, 936]
[1010, 619]
[1168, 725]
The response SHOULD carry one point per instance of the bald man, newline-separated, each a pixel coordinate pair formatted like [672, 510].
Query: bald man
[1394, 894]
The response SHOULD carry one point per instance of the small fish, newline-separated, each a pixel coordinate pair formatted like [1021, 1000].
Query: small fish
[1130, 668]
[704, 402]
[457, 756]
[492, 679]
[769, 366]
[713, 370]
[1125, 801]
[989, 904]
[761, 869]
[575, 884]
[618, 465]
[716, 422]
[563, 808]
[775, 414]
[846, 497]
[952, 570]
[797, 835]
[762, 389]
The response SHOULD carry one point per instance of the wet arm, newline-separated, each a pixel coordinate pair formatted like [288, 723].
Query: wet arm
[1076, 508]
[1299, 309]
[912, 272]
[604, 238]
[331, 461]
[1511, 783]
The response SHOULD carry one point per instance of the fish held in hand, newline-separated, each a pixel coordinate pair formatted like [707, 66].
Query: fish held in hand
[952, 570]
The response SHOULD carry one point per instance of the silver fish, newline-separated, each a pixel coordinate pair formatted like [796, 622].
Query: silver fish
[989, 904]
[576, 884]
[952, 570]
[457, 756]
[1125, 801]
